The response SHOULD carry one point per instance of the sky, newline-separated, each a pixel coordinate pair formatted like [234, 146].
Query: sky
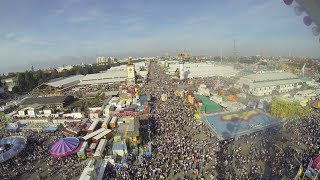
[50, 33]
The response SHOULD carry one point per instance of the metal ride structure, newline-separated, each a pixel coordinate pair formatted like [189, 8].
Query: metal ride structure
[14, 146]
[311, 9]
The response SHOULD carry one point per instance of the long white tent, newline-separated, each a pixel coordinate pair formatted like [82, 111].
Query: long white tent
[93, 134]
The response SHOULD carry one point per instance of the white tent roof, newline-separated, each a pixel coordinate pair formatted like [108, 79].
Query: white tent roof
[106, 75]
[66, 81]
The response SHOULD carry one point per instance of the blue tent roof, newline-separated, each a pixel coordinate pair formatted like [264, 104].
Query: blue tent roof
[247, 71]
[18, 143]
[117, 147]
[119, 165]
[140, 108]
[148, 154]
[12, 128]
[143, 99]
[51, 129]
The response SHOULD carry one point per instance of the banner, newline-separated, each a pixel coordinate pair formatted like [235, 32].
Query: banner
[316, 163]
[299, 173]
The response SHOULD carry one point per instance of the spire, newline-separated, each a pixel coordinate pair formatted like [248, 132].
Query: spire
[130, 61]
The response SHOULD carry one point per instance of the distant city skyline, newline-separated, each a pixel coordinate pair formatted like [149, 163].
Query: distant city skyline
[52, 33]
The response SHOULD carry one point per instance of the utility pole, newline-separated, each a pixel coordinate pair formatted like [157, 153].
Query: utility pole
[235, 53]
[221, 55]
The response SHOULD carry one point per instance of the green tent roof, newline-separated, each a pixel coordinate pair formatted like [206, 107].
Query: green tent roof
[208, 105]
[305, 78]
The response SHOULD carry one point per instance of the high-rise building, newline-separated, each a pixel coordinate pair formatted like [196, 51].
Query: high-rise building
[106, 60]
[101, 60]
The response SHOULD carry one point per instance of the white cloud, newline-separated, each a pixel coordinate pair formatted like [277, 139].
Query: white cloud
[90, 15]
[59, 11]
[17, 40]
[129, 20]
[10, 35]
[66, 6]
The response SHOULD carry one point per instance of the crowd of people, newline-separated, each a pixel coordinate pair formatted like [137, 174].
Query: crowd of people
[178, 149]
[306, 133]
[181, 153]
[36, 160]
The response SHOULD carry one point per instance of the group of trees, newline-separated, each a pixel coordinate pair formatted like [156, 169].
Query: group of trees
[234, 91]
[284, 109]
[2, 117]
[29, 80]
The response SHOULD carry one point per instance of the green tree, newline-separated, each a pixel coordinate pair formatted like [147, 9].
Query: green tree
[54, 74]
[22, 82]
[15, 89]
[284, 109]
[11, 74]
[233, 91]
[38, 76]
[64, 73]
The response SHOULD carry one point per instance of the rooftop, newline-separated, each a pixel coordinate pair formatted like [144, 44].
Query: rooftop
[111, 93]
[106, 75]
[305, 78]
[208, 102]
[44, 100]
[276, 83]
[9, 79]
[118, 146]
[236, 124]
[131, 127]
[102, 81]
[271, 76]
[194, 70]
[61, 82]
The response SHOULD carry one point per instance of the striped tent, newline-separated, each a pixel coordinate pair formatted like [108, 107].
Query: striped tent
[64, 147]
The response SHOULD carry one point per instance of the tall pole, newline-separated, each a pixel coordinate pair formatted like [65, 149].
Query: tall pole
[235, 50]
[221, 54]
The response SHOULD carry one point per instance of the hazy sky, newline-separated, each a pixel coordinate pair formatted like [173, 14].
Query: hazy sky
[51, 33]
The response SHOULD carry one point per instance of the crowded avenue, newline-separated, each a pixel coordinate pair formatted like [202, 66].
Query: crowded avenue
[182, 147]
[186, 150]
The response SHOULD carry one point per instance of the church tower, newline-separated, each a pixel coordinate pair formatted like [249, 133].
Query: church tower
[131, 72]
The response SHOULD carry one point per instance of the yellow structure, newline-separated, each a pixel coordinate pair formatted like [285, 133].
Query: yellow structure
[245, 116]
[130, 62]
[134, 139]
[197, 116]
[125, 98]
[137, 94]
[299, 173]
[130, 129]
[131, 71]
